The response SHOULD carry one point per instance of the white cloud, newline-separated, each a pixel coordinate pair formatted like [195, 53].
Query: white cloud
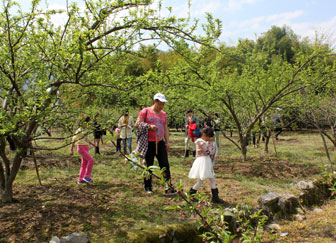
[284, 18]
[206, 7]
[311, 29]
[261, 24]
[238, 4]
[199, 7]
[60, 18]
[254, 27]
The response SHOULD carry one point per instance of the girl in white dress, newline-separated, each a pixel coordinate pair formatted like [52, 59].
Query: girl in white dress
[202, 167]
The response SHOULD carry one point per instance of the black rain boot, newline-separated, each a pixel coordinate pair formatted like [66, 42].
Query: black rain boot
[192, 192]
[194, 154]
[215, 198]
[97, 150]
[148, 185]
[186, 155]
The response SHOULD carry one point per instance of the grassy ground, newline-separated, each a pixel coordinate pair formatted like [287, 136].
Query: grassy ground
[116, 206]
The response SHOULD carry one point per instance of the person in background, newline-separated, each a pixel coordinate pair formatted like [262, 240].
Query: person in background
[157, 140]
[190, 121]
[277, 123]
[217, 125]
[97, 133]
[116, 131]
[81, 140]
[208, 122]
[125, 125]
[202, 167]
[214, 151]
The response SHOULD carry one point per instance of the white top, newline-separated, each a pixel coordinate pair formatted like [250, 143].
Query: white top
[126, 126]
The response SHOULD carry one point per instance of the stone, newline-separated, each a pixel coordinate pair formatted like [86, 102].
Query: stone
[299, 211]
[75, 238]
[55, 239]
[274, 227]
[269, 198]
[317, 211]
[288, 203]
[277, 206]
[299, 217]
[305, 185]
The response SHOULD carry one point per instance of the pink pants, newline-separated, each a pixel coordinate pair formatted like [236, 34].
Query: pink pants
[87, 162]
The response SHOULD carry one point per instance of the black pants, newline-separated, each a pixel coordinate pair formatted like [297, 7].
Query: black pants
[277, 130]
[119, 144]
[162, 158]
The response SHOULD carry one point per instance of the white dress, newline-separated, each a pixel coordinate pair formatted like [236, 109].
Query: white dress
[202, 167]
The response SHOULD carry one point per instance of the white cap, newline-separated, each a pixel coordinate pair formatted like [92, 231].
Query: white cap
[160, 97]
[278, 109]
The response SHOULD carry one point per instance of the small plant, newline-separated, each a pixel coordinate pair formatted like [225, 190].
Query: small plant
[330, 179]
[250, 223]
[332, 188]
[220, 225]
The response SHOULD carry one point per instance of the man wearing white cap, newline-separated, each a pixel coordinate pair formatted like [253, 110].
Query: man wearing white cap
[158, 140]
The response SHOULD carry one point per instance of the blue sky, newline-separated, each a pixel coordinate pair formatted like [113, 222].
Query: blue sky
[250, 18]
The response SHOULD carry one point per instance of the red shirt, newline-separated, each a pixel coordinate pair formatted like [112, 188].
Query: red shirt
[159, 120]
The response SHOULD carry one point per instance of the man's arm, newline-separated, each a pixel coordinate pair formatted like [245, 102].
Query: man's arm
[131, 123]
[138, 122]
[120, 123]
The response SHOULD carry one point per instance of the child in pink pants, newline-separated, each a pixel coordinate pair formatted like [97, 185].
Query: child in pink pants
[82, 142]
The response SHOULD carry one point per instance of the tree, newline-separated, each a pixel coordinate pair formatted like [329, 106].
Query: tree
[247, 86]
[278, 41]
[40, 63]
[317, 100]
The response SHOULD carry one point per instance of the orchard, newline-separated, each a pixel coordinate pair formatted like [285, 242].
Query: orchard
[106, 59]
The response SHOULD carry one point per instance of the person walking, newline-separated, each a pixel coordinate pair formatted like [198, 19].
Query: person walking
[116, 131]
[202, 167]
[155, 119]
[217, 126]
[81, 140]
[208, 122]
[97, 133]
[192, 125]
[125, 125]
[214, 152]
[278, 123]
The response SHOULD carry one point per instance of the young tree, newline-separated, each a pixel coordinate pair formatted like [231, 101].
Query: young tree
[317, 101]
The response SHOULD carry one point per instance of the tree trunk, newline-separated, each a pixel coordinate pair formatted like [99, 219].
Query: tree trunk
[331, 137]
[3, 167]
[243, 145]
[7, 196]
[2, 178]
[319, 127]
[327, 151]
[267, 136]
